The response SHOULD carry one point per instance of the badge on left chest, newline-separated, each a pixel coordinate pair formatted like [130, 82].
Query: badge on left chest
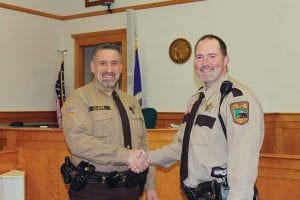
[209, 107]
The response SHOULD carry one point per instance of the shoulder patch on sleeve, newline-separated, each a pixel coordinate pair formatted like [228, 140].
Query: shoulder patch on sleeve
[240, 112]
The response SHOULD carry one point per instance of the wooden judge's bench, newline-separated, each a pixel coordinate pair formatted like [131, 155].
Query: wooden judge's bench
[41, 151]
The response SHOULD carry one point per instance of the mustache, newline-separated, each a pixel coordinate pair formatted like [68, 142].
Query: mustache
[109, 74]
[206, 68]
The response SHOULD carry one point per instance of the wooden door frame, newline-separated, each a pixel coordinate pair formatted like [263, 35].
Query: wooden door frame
[90, 39]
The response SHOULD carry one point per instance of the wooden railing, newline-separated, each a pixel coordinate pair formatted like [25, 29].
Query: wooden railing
[282, 130]
[40, 152]
[27, 117]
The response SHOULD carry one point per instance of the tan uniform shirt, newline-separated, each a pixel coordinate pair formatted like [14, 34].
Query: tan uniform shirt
[93, 128]
[208, 148]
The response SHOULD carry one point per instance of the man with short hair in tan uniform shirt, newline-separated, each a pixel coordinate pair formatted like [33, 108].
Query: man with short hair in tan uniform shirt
[93, 131]
[208, 147]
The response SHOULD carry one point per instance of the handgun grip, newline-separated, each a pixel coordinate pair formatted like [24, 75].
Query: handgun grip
[218, 172]
[67, 161]
[66, 169]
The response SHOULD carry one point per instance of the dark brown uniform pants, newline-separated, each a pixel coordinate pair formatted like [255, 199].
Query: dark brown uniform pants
[98, 191]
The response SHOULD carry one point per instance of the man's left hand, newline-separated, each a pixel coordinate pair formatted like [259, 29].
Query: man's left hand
[152, 195]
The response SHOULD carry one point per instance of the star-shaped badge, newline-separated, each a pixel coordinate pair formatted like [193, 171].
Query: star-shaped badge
[208, 107]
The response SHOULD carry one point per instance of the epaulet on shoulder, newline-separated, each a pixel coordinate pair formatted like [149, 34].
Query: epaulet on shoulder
[236, 92]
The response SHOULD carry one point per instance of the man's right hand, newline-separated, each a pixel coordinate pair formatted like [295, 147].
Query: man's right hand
[138, 161]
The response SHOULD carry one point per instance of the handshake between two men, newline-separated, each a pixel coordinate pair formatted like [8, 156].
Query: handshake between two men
[138, 160]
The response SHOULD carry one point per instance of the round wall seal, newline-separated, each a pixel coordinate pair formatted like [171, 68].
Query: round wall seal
[180, 50]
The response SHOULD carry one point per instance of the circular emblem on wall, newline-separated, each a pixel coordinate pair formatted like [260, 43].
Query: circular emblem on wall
[180, 50]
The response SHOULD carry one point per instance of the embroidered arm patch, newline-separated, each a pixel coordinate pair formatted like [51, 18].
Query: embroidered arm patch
[71, 110]
[240, 112]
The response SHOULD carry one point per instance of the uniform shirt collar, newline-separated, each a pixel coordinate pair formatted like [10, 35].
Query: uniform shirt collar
[216, 87]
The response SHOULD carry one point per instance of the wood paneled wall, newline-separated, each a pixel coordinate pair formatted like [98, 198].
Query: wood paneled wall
[164, 119]
[282, 133]
[40, 152]
[28, 117]
[279, 177]
[282, 130]
[8, 160]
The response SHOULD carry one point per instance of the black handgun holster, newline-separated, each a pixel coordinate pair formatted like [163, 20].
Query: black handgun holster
[77, 177]
[209, 190]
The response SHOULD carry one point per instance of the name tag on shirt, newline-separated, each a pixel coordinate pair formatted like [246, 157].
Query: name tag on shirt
[93, 108]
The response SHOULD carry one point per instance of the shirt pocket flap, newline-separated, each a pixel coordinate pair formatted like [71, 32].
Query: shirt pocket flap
[205, 120]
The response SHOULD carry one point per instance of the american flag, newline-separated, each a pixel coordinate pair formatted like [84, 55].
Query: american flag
[60, 92]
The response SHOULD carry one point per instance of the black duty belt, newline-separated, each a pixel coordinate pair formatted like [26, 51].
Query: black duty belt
[118, 179]
[84, 173]
[207, 190]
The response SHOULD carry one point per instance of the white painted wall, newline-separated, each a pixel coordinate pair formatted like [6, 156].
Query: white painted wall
[29, 61]
[262, 38]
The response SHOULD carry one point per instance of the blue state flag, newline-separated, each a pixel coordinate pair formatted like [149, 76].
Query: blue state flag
[137, 83]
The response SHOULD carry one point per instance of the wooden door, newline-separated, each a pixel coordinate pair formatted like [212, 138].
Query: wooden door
[85, 40]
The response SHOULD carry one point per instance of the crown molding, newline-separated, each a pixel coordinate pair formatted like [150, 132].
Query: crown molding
[95, 13]
[30, 11]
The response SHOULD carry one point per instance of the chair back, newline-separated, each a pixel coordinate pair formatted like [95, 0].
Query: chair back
[150, 116]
